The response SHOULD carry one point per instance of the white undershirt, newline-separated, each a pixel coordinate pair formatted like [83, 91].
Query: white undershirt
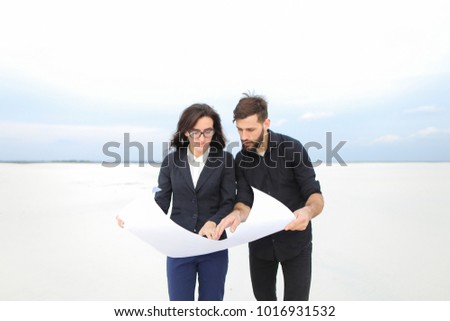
[196, 164]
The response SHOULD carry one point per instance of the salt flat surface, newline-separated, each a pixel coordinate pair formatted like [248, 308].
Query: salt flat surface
[382, 236]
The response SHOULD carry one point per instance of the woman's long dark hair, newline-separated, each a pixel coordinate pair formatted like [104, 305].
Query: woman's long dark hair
[189, 118]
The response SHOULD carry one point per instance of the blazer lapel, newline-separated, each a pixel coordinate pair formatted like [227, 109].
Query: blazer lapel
[210, 165]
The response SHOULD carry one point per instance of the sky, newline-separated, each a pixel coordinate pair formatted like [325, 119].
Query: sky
[352, 80]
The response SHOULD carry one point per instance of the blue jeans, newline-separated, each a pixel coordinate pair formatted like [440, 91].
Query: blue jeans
[211, 270]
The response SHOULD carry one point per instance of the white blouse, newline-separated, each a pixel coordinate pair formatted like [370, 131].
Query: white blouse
[196, 164]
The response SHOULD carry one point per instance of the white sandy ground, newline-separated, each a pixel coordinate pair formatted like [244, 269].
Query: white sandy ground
[384, 235]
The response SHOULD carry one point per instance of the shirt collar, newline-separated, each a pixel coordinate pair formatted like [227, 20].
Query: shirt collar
[273, 139]
[201, 159]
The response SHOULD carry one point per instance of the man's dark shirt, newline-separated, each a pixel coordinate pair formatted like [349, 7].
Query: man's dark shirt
[285, 172]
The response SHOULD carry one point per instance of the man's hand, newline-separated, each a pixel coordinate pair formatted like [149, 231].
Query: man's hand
[302, 218]
[208, 230]
[120, 222]
[312, 208]
[232, 220]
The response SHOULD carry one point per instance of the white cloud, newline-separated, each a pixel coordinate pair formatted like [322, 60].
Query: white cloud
[387, 139]
[423, 109]
[316, 115]
[429, 131]
[426, 132]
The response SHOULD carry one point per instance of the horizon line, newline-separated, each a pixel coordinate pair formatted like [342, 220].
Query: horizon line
[159, 162]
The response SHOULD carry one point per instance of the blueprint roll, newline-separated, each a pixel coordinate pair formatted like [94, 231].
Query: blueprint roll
[144, 219]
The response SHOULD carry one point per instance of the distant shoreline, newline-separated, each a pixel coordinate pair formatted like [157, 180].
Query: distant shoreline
[159, 163]
[70, 162]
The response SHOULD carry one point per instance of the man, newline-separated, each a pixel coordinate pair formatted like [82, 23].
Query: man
[279, 166]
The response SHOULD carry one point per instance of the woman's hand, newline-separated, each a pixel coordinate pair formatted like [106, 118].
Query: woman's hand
[208, 230]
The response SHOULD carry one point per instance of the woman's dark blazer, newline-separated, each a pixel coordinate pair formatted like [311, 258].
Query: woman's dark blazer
[211, 200]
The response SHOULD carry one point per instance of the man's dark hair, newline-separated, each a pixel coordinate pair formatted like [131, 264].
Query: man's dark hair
[250, 105]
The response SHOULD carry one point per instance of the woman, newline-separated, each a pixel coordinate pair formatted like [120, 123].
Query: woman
[199, 178]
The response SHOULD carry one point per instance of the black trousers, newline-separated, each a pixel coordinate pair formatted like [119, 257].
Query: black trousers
[296, 273]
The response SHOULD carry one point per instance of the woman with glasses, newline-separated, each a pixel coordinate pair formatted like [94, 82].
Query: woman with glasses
[199, 179]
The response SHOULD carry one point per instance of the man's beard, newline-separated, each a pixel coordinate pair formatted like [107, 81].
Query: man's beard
[254, 144]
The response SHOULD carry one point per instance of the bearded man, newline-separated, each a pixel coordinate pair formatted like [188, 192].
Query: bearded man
[280, 166]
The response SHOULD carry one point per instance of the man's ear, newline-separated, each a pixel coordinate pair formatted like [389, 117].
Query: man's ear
[266, 124]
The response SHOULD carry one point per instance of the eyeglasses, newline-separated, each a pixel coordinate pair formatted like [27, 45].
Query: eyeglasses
[207, 133]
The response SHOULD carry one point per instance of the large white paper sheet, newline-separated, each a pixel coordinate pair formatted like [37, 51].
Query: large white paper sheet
[144, 218]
